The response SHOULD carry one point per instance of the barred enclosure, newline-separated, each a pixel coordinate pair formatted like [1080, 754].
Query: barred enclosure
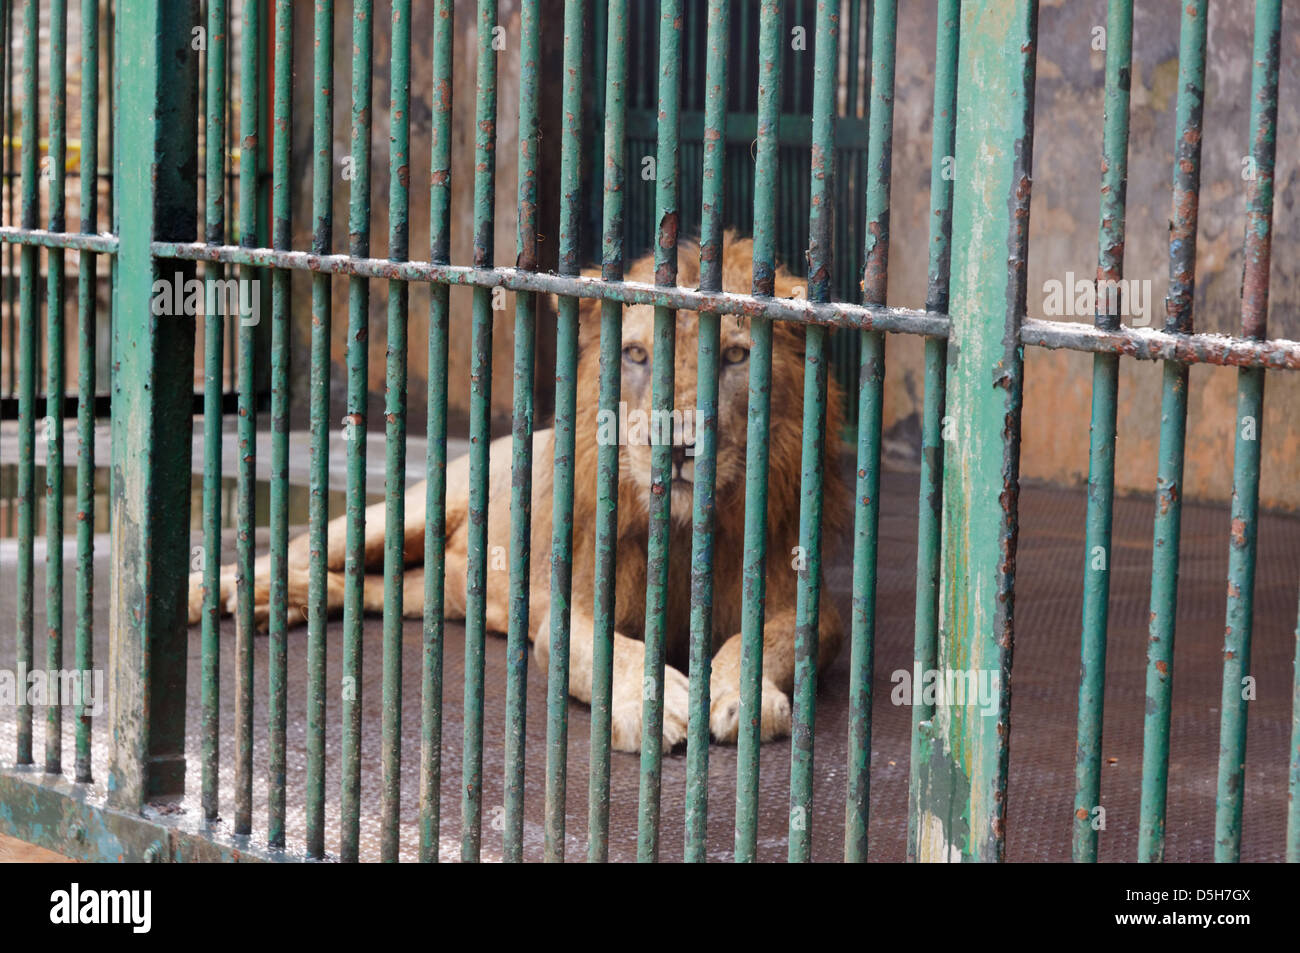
[188, 196]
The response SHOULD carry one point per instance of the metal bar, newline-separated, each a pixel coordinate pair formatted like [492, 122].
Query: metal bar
[245, 622]
[930, 511]
[98, 243]
[399, 118]
[1101, 453]
[214, 227]
[435, 510]
[808, 595]
[566, 383]
[871, 383]
[706, 431]
[611, 345]
[1173, 432]
[1293, 779]
[521, 468]
[281, 237]
[153, 385]
[24, 576]
[86, 326]
[358, 356]
[322, 217]
[1246, 456]
[963, 777]
[485, 114]
[754, 570]
[55, 379]
[667, 214]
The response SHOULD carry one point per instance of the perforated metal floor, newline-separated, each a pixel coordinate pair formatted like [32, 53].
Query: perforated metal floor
[1043, 709]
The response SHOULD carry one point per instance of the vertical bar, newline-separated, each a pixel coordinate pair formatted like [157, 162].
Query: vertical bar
[480, 401]
[322, 217]
[1250, 416]
[358, 355]
[249, 63]
[566, 382]
[963, 799]
[521, 482]
[1101, 454]
[435, 533]
[925, 650]
[214, 225]
[399, 117]
[611, 345]
[870, 413]
[1293, 781]
[820, 264]
[706, 431]
[29, 262]
[86, 318]
[281, 238]
[55, 383]
[153, 385]
[667, 195]
[771, 43]
[1173, 433]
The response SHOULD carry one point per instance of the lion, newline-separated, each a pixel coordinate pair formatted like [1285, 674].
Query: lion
[634, 489]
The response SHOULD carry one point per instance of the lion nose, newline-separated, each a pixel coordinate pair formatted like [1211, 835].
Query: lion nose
[683, 465]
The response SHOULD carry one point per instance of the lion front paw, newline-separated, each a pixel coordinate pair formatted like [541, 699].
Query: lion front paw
[627, 709]
[724, 714]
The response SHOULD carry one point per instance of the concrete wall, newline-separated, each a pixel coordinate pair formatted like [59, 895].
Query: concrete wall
[1063, 228]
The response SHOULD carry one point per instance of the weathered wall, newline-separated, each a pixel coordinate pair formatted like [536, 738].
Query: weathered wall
[1063, 227]
[1063, 237]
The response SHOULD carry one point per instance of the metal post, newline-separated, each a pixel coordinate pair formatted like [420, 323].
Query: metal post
[153, 383]
[964, 759]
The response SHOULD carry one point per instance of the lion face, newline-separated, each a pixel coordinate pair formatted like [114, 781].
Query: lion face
[681, 429]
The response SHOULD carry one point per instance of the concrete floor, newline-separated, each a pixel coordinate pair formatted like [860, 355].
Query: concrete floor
[1045, 675]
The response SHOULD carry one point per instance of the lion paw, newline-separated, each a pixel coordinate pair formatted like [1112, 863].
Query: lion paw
[724, 714]
[626, 711]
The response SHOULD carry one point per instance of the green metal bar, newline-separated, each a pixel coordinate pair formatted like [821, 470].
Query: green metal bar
[926, 625]
[399, 111]
[214, 325]
[521, 480]
[1101, 453]
[706, 431]
[1173, 433]
[808, 595]
[871, 380]
[485, 114]
[29, 263]
[611, 346]
[86, 320]
[754, 571]
[153, 385]
[1250, 415]
[1293, 780]
[964, 771]
[435, 510]
[281, 237]
[566, 383]
[245, 631]
[322, 217]
[55, 379]
[358, 356]
[667, 201]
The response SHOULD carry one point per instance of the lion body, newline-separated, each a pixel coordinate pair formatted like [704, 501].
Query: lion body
[781, 578]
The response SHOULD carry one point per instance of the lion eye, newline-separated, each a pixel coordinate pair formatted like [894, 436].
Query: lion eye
[635, 353]
[735, 354]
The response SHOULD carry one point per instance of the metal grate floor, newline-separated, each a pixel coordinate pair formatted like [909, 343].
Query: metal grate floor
[1044, 686]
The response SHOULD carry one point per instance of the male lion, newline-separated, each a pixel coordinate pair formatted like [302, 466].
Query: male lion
[633, 496]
